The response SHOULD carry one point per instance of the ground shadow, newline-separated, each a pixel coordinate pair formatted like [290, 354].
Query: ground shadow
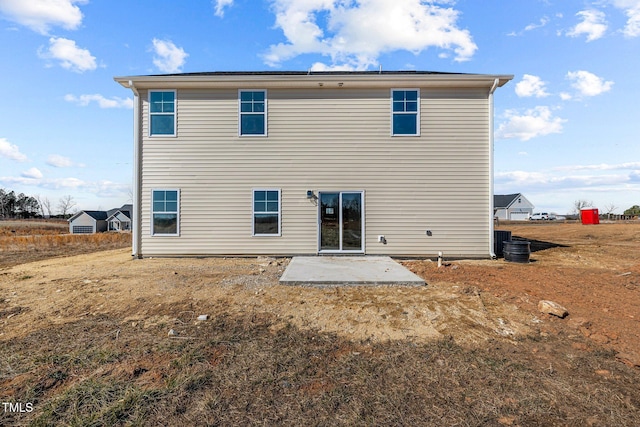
[539, 245]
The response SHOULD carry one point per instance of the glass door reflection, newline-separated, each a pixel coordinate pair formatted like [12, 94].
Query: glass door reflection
[341, 221]
[351, 224]
[329, 221]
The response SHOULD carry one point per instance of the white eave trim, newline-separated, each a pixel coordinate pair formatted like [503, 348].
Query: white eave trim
[262, 81]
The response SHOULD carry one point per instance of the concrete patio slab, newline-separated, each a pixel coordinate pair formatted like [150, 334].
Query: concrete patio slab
[347, 270]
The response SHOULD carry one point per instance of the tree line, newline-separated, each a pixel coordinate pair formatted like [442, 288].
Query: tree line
[21, 206]
[609, 208]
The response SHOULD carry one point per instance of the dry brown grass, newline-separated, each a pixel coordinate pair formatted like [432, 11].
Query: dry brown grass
[32, 227]
[26, 241]
[243, 371]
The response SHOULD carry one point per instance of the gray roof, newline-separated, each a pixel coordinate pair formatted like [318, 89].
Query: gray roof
[303, 73]
[504, 201]
[104, 215]
[99, 215]
[125, 210]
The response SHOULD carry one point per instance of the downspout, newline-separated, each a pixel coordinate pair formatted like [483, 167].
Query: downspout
[136, 229]
[492, 253]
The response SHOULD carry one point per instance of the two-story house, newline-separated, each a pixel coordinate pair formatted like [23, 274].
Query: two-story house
[286, 163]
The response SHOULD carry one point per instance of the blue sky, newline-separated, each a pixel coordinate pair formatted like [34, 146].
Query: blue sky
[566, 128]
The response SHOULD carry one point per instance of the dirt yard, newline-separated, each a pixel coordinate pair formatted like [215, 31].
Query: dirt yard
[593, 271]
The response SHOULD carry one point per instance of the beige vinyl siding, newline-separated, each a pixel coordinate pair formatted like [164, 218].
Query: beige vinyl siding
[323, 140]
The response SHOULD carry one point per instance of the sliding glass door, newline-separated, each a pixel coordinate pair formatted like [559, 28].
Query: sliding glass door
[341, 221]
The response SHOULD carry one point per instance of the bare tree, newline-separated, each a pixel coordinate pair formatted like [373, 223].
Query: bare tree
[44, 205]
[580, 204]
[40, 208]
[610, 208]
[65, 205]
[3, 203]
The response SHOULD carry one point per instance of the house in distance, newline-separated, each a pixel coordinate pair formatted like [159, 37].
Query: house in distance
[88, 222]
[512, 207]
[286, 163]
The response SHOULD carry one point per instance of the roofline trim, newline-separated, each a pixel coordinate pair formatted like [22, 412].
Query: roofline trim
[294, 79]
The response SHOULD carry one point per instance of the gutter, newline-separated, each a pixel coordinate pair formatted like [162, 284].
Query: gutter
[492, 253]
[308, 81]
[136, 228]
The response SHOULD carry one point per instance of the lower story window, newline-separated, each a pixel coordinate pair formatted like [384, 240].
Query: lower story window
[266, 212]
[165, 212]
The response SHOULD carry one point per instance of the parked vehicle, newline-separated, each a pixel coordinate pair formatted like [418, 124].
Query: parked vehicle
[538, 216]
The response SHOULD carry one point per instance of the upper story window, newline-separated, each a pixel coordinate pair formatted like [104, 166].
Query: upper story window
[162, 113]
[253, 112]
[405, 111]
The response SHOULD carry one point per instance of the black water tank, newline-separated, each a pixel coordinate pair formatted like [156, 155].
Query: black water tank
[517, 251]
[499, 237]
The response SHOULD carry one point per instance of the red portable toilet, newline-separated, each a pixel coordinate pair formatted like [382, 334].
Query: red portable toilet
[590, 216]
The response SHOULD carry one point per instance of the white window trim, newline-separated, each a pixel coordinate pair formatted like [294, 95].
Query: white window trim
[392, 113]
[266, 111]
[175, 113]
[253, 212]
[153, 233]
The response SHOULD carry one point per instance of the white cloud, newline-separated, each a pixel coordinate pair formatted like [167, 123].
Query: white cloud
[535, 122]
[531, 86]
[41, 15]
[220, 6]
[11, 151]
[320, 66]
[533, 26]
[521, 178]
[51, 184]
[169, 58]
[102, 188]
[543, 21]
[70, 56]
[602, 167]
[32, 173]
[588, 84]
[561, 185]
[58, 161]
[549, 181]
[85, 100]
[632, 29]
[632, 9]
[593, 24]
[106, 188]
[355, 34]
